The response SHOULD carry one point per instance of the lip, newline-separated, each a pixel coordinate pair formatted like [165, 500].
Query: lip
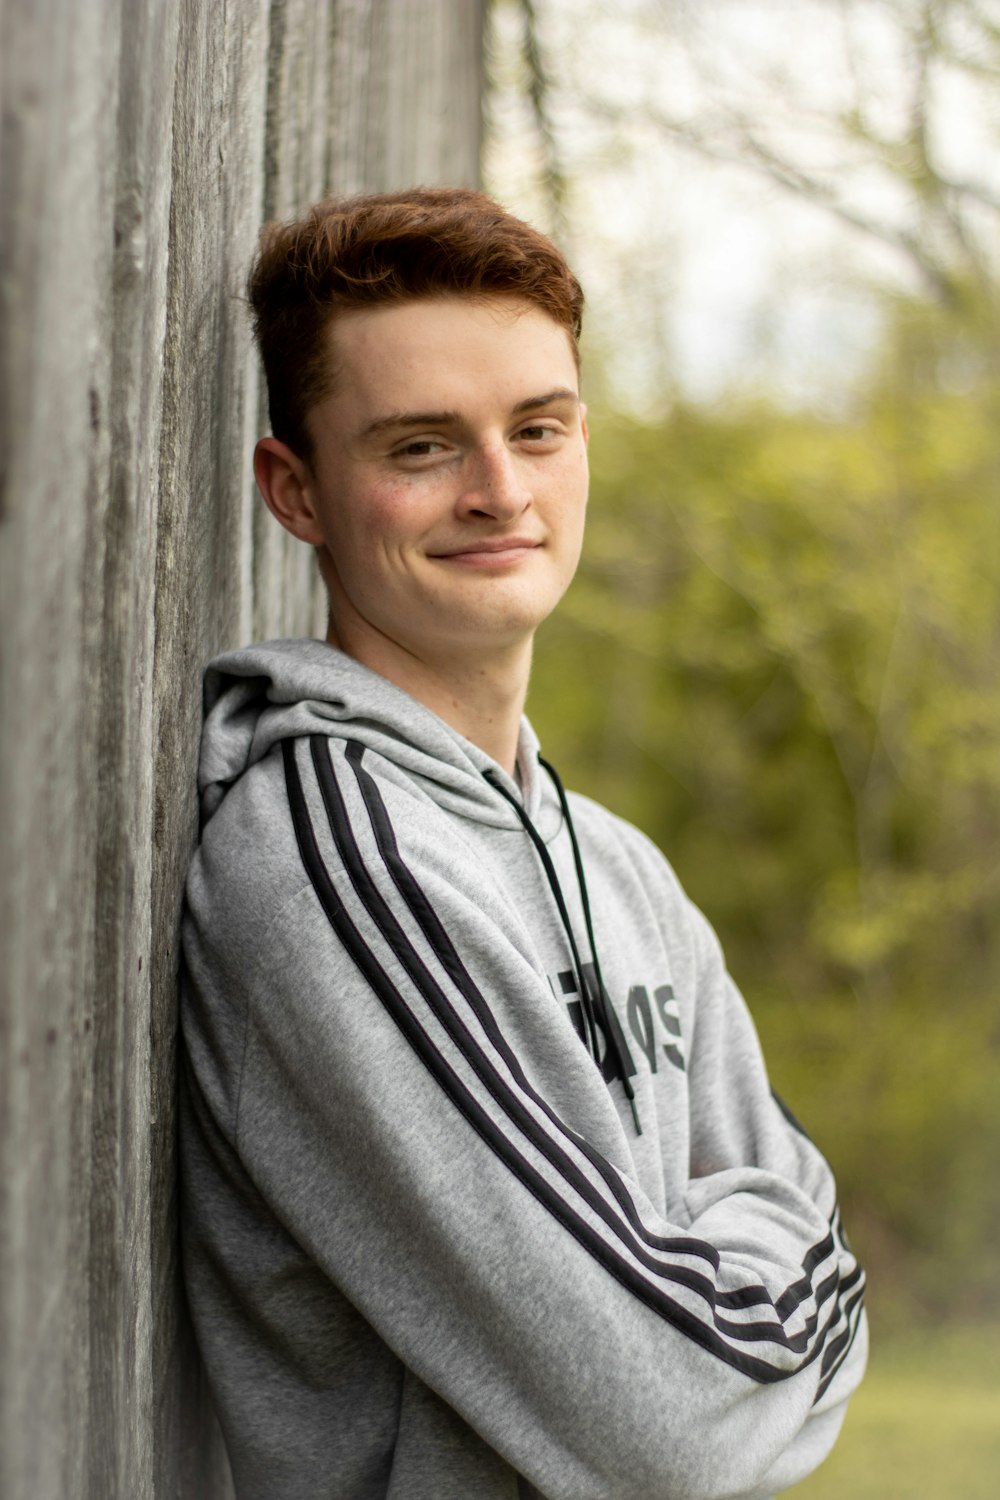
[498, 547]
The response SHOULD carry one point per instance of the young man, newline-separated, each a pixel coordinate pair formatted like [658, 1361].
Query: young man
[448, 1233]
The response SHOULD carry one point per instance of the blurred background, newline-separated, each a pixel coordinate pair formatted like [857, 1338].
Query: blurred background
[780, 656]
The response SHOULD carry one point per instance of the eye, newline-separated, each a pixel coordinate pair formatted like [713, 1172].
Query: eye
[538, 432]
[419, 448]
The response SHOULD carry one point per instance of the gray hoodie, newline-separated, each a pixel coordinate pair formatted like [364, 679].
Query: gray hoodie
[433, 1248]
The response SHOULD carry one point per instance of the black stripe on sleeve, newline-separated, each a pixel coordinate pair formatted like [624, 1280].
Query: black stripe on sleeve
[838, 1348]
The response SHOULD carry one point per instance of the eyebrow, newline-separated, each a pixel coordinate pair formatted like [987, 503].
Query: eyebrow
[561, 393]
[397, 419]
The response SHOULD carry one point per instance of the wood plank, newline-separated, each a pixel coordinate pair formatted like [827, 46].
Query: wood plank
[141, 147]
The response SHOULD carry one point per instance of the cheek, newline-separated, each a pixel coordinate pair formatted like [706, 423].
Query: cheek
[381, 518]
[572, 489]
[400, 510]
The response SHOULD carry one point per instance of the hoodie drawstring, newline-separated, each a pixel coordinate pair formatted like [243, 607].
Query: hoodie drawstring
[597, 1008]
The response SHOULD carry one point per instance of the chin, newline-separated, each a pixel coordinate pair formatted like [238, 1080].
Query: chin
[501, 632]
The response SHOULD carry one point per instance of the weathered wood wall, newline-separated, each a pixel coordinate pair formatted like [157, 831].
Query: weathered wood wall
[142, 144]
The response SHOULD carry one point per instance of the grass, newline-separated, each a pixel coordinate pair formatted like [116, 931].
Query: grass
[924, 1425]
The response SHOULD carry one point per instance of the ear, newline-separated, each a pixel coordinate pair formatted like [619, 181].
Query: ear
[286, 483]
[583, 424]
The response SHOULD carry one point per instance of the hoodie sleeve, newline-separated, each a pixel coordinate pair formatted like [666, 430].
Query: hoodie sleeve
[382, 1099]
[756, 1183]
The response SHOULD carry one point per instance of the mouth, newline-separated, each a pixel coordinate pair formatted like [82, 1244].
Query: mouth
[489, 550]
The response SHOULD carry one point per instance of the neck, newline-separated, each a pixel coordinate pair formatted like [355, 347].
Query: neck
[482, 699]
[483, 705]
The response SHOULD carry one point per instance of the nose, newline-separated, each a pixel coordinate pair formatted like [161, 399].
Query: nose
[496, 485]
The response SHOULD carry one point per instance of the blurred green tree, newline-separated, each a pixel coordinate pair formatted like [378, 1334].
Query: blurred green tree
[780, 655]
[780, 659]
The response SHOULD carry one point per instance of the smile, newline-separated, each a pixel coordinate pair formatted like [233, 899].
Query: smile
[492, 552]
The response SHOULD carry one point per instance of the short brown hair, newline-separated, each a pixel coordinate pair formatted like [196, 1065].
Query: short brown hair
[382, 248]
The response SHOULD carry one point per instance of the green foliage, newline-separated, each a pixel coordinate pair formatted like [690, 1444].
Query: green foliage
[780, 659]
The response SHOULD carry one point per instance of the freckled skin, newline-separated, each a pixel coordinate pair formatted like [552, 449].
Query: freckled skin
[446, 497]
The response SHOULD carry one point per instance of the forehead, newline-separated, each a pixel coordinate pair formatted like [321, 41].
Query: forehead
[448, 351]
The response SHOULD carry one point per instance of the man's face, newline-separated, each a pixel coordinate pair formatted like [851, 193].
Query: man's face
[449, 480]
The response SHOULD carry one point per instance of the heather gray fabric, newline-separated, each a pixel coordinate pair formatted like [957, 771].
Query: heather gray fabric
[427, 1253]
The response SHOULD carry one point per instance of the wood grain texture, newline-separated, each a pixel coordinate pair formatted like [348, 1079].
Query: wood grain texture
[141, 148]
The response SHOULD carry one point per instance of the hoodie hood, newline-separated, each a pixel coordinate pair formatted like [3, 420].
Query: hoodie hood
[278, 690]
